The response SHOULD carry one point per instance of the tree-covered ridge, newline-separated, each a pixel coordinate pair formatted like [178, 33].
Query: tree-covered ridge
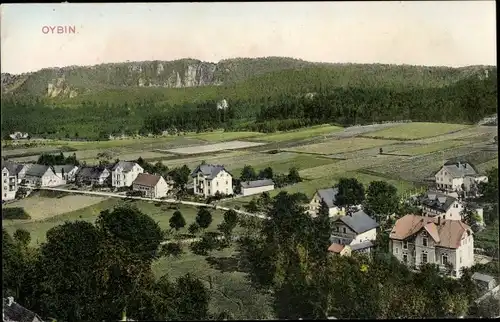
[259, 72]
[276, 108]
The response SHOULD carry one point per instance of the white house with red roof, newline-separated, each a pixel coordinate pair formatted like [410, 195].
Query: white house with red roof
[417, 240]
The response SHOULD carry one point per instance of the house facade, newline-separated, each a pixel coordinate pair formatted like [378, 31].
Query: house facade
[66, 172]
[444, 206]
[459, 176]
[21, 171]
[93, 176]
[208, 179]
[255, 187]
[9, 180]
[153, 186]
[417, 240]
[329, 197]
[42, 176]
[358, 230]
[13, 312]
[124, 173]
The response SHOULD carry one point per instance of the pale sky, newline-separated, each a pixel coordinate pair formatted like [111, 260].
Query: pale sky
[447, 33]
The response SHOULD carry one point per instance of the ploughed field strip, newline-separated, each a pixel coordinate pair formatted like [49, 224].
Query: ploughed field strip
[341, 145]
[230, 145]
[417, 130]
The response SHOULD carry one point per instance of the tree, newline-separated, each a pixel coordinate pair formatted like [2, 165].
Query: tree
[324, 228]
[127, 225]
[192, 299]
[489, 190]
[487, 308]
[470, 216]
[21, 193]
[294, 176]
[248, 173]
[177, 221]
[22, 236]
[172, 249]
[203, 217]
[350, 192]
[194, 228]
[382, 200]
[267, 173]
[252, 206]
[206, 244]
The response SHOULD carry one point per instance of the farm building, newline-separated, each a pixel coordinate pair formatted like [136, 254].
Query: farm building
[43, 176]
[358, 230]
[258, 186]
[66, 172]
[93, 176]
[459, 176]
[13, 312]
[9, 180]
[417, 240]
[153, 186]
[123, 173]
[208, 179]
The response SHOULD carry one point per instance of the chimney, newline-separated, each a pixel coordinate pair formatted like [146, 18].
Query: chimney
[465, 165]
[458, 164]
[439, 220]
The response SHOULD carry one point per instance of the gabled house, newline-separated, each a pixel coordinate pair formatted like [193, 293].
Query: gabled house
[13, 312]
[257, 186]
[357, 230]
[97, 175]
[417, 240]
[329, 197]
[437, 204]
[459, 176]
[208, 179]
[66, 172]
[123, 173]
[9, 180]
[42, 176]
[153, 186]
[21, 171]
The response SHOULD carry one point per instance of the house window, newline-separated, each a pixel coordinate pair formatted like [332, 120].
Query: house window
[208, 183]
[405, 244]
[444, 259]
[208, 191]
[405, 258]
[344, 230]
[226, 182]
[217, 183]
[424, 258]
[396, 250]
[424, 241]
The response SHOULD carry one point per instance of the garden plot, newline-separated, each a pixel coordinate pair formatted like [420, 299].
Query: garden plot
[40, 208]
[418, 130]
[230, 145]
[373, 151]
[469, 134]
[430, 148]
[29, 151]
[301, 134]
[341, 146]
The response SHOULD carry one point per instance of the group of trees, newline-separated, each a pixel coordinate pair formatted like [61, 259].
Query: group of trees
[97, 272]
[57, 159]
[287, 256]
[465, 101]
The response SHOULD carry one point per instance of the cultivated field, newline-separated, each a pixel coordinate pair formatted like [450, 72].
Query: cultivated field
[230, 145]
[301, 134]
[417, 130]
[41, 208]
[220, 136]
[420, 149]
[339, 146]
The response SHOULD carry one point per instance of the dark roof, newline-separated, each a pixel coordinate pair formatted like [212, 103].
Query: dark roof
[146, 179]
[362, 245]
[17, 313]
[20, 167]
[90, 172]
[37, 170]
[11, 167]
[437, 201]
[67, 168]
[359, 221]
[209, 170]
[328, 196]
[460, 169]
[126, 165]
[257, 183]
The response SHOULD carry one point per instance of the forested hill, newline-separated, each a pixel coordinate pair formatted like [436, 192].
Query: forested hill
[151, 78]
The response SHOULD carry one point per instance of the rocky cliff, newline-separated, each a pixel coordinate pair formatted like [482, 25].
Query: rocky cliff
[74, 80]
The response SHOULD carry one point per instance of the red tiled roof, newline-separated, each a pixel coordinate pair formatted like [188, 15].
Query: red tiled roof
[448, 234]
[146, 179]
[336, 248]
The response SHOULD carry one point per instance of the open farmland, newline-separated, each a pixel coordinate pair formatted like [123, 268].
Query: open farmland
[301, 134]
[40, 208]
[485, 166]
[198, 149]
[220, 136]
[472, 133]
[341, 145]
[420, 149]
[417, 130]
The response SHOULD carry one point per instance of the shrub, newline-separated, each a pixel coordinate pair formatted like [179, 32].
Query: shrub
[15, 213]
